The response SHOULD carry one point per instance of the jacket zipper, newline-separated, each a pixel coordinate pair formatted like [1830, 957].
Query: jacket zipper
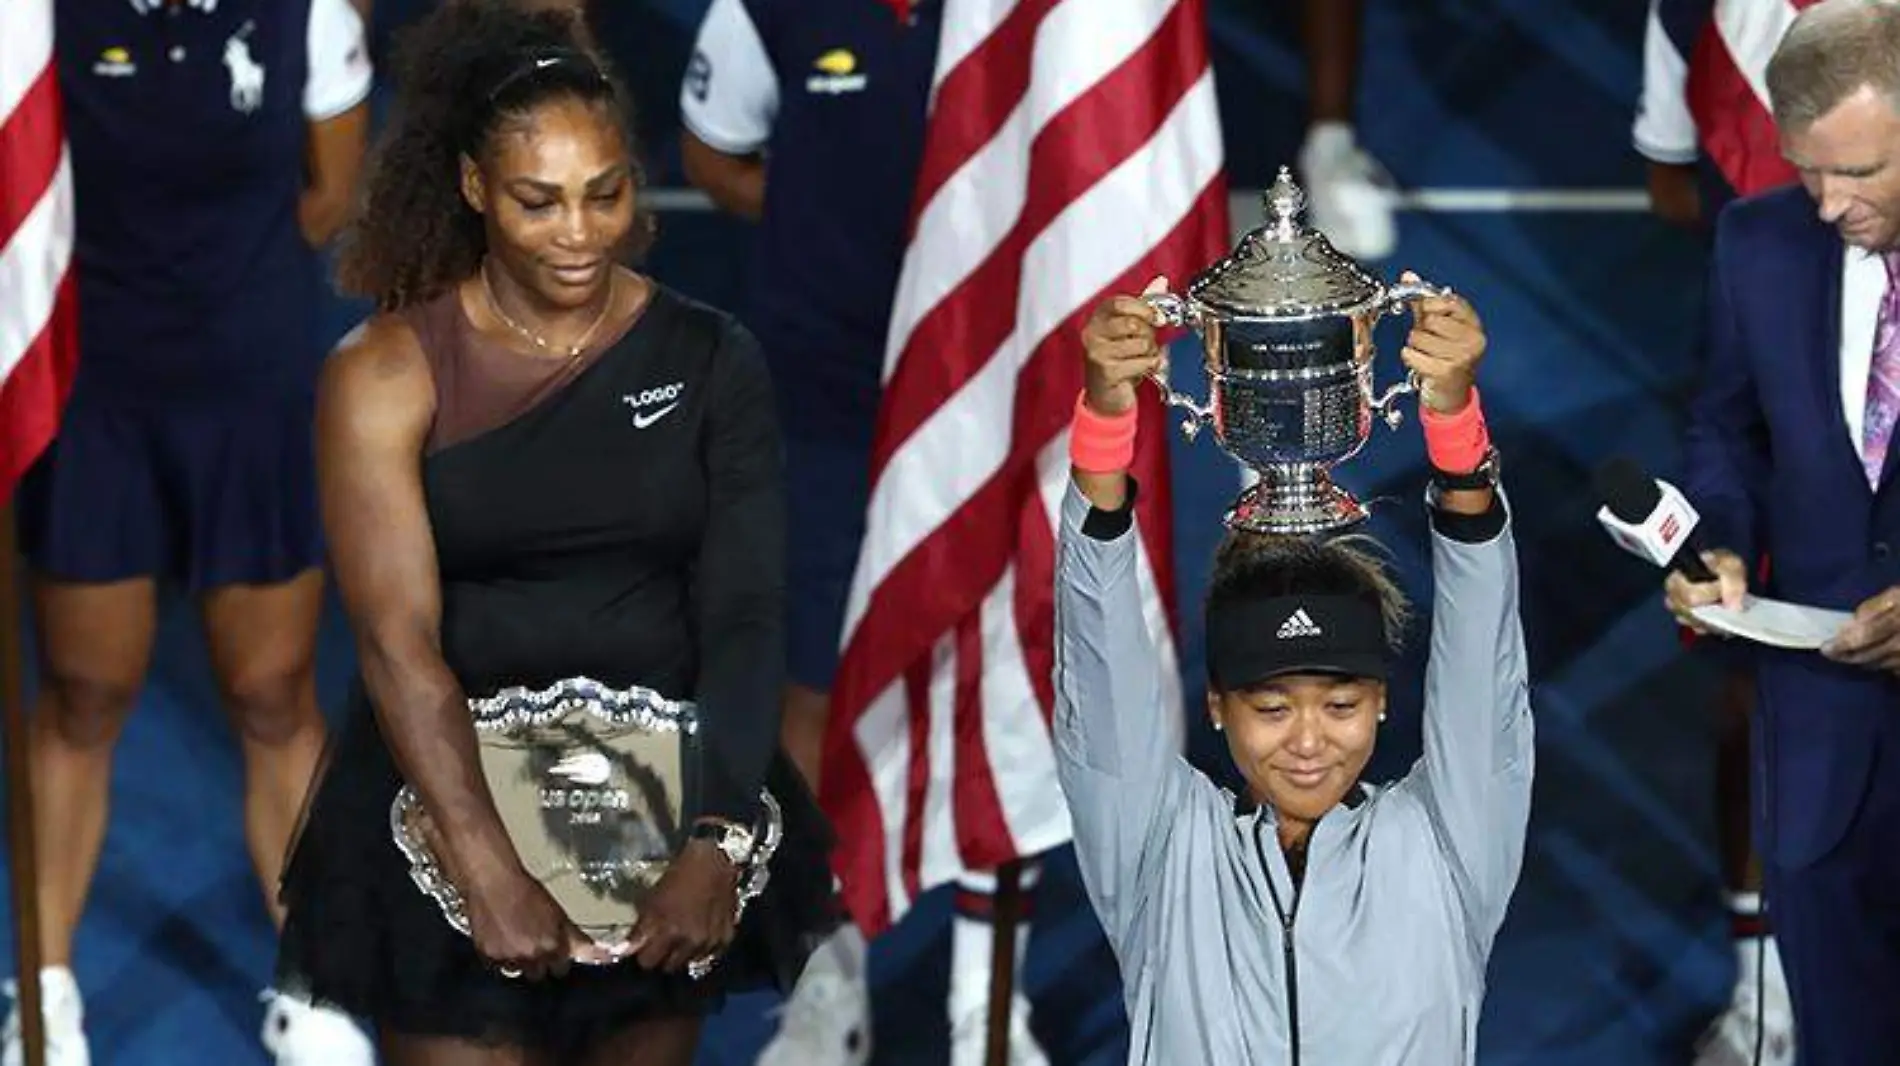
[1286, 915]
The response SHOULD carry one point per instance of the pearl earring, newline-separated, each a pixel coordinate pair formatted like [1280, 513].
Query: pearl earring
[1381, 716]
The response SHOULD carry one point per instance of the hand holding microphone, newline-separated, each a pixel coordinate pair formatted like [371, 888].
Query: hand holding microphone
[1652, 520]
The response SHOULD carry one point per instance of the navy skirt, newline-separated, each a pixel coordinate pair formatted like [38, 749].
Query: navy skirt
[211, 495]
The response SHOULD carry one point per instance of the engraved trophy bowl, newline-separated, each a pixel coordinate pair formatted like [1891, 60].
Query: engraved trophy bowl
[1286, 324]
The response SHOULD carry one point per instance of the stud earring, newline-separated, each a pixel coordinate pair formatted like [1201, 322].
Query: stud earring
[1381, 716]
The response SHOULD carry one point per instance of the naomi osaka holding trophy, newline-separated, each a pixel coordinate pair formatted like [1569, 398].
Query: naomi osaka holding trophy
[1316, 918]
[556, 828]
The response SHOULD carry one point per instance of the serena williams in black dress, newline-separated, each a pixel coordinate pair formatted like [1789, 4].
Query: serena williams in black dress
[537, 465]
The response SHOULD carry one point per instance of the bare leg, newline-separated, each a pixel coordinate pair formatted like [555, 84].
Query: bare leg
[803, 729]
[399, 1050]
[1332, 59]
[263, 649]
[95, 646]
[658, 1042]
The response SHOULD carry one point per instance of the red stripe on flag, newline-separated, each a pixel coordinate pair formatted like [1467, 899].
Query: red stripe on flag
[1034, 604]
[917, 779]
[30, 148]
[34, 393]
[978, 96]
[979, 810]
[1079, 146]
[32, 144]
[947, 576]
[1736, 129]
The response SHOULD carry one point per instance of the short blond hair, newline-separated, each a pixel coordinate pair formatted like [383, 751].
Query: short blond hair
[1831, 51]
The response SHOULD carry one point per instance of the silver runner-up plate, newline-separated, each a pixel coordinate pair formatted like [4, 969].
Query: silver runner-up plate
[597, 788]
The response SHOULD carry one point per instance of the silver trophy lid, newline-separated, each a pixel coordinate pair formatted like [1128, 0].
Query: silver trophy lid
[1283, 269]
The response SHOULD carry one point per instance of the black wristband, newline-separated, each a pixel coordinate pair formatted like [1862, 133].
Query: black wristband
[1484, 477]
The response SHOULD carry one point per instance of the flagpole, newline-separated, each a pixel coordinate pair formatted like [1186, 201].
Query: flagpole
[22, 863]
[1005, 911]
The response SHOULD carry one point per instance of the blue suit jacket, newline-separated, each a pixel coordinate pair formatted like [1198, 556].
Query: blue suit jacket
[1771, 468]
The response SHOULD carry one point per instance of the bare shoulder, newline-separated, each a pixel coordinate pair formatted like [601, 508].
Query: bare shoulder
[378, 374]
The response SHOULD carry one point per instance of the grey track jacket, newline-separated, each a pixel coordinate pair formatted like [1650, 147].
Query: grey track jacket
[1379, 959]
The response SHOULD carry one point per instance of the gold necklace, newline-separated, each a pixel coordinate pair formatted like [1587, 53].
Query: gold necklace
[580, 344]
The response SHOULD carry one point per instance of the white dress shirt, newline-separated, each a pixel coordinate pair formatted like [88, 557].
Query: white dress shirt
[1863, 286]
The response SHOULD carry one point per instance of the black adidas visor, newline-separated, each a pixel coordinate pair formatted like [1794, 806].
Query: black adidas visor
[1252, 641]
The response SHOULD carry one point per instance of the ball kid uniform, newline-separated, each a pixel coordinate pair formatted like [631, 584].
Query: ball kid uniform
[185, 451]
[835, 93]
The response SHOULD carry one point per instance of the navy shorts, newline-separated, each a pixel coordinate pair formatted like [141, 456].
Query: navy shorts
[220, 495]
[828, 489]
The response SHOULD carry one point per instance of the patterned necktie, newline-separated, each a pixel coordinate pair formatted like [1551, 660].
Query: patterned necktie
[1883, 377]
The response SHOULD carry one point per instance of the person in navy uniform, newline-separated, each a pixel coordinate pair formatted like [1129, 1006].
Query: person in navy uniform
[214, 146]
[836, 93]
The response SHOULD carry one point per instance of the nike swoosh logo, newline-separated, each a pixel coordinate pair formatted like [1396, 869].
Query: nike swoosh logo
[642, 420]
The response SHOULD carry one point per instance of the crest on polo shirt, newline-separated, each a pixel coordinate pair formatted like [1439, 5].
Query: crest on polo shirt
[247, 74]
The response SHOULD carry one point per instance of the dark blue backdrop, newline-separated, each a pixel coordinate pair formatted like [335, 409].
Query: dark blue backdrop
[1614, 951]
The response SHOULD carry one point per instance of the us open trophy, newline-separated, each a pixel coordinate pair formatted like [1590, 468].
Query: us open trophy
[1286, 325]
[597, 788]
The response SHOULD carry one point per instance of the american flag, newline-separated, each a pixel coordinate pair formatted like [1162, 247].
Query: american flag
[38, 315]
[1725, 45]
[1073, 151]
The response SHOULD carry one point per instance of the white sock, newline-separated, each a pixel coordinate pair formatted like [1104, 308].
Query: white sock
[973, 941]
[59, 995]
[1746, 930]
[1325, 140]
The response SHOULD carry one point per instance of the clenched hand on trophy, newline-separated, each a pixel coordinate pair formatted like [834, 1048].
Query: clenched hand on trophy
[1286, 329]
[1443, 350]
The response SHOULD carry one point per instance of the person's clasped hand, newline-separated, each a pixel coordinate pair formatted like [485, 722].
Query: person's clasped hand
[691, 913]
[1871, 638]
[1729, 589]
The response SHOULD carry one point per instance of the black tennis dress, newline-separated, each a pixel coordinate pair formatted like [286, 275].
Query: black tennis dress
[616, 517]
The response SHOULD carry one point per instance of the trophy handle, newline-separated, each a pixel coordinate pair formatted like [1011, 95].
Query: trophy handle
[1175, 311]
[1394, 303]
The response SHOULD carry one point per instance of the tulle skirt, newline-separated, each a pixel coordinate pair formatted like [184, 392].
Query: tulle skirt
[360, 936]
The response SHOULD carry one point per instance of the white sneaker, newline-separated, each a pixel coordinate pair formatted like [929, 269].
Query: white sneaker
[1731, 1038]
[970, 1037]
[300, 1033]
[827, 1020]
[65, 1017]
[1349, 196]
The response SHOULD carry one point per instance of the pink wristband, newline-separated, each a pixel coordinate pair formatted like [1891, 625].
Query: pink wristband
[1101, 444]
[1456, 443]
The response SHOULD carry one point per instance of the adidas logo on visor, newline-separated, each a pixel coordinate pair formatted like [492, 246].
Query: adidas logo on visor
[1298, 624]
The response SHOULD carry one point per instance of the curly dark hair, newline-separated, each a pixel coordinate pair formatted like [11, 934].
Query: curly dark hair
[1249, 566]
[467, 71]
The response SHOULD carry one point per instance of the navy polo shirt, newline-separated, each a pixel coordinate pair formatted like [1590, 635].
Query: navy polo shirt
[835, 94]
[187, 125]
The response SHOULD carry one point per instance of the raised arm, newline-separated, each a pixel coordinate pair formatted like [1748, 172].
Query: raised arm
[1475, 777]
[1117, 741]
[374, 405]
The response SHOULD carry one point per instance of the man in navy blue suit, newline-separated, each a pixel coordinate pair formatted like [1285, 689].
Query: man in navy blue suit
[1788, 453]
